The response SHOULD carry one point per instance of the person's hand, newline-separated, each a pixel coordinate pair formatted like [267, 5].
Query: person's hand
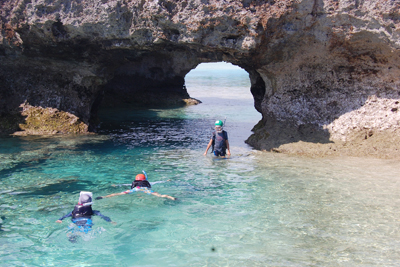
[228, 153]
[58, 221]
[205, 154]
[114, 223]
[99, 198]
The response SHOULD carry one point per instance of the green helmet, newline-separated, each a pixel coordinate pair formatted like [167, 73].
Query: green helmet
[219, 123]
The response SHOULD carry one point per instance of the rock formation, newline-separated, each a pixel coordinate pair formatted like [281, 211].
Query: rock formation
[322, 71]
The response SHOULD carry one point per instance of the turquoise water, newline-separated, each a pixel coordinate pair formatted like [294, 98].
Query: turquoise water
[255, 209]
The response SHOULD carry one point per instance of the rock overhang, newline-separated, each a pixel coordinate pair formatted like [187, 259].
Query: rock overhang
[310, 62]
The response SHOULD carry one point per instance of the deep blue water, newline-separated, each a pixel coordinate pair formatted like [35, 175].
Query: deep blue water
[254, 209]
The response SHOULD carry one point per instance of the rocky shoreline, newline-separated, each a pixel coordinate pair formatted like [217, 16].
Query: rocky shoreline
[353, 134]
[381, 146]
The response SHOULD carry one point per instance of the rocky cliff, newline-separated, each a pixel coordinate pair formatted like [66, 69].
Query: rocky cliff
[323, 72]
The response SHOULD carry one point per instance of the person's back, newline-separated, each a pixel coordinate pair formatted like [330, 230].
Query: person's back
[82, 214]
[140, 183]
[219, 139]
[83, 210]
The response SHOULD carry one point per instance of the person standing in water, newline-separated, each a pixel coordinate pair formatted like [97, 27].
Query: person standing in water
[219, 141]
[140, 184]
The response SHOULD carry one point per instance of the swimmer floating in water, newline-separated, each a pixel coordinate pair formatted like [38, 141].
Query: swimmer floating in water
[140, 184]
[82, 213]
[82, 216]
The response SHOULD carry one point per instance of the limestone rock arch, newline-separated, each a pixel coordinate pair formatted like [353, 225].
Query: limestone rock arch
[321, 71]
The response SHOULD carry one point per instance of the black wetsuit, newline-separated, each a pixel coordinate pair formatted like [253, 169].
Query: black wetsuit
[81, 214]
[143, 183]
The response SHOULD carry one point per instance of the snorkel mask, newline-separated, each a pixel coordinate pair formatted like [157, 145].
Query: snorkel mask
[85, 198]
[218, 126]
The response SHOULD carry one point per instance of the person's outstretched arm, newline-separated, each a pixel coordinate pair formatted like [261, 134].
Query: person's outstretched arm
[166, 196]
[63, 217]
[159, 182]
[208, 147]
[112, 195]
[107, 219]
[117, 185]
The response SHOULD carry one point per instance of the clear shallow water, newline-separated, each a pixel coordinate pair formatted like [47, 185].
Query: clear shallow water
[255, 209]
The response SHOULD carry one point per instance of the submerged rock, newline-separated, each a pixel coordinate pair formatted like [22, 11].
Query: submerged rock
[316, 67]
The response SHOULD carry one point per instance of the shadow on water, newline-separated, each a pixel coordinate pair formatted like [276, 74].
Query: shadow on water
[1, 223]
[21, 166]
[152, 128]
[14, 163]
[66, 186]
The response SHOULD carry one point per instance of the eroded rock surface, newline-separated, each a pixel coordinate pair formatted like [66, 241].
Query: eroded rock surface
[48, 121]
[323, 72]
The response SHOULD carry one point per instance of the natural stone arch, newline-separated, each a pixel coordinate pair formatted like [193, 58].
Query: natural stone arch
[158, 78]
[151, 78]
[310, 62]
